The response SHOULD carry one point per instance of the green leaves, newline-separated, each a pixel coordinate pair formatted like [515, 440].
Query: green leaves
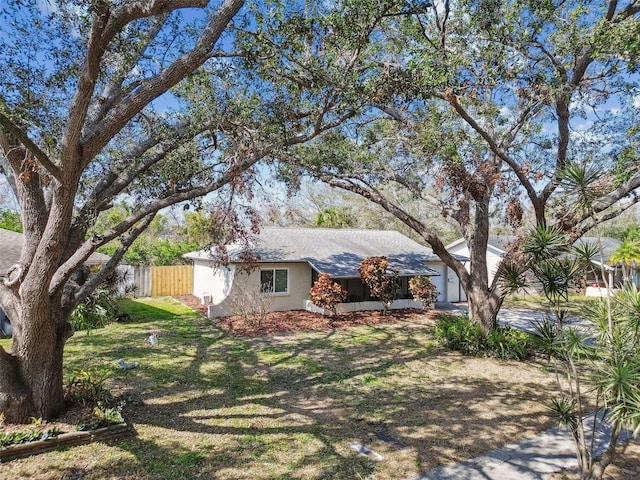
[460, 334]
[95, 312]
[10, 220]
[545, 242]
[602, 351]
[565, 409]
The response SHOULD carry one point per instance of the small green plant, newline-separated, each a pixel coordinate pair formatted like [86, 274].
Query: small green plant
[36, 421]
[103, 416]
[369, 379]
[87, 387]
[53, 432]
[17, 438]
[98, 310]
[460, 334]
[31, 435]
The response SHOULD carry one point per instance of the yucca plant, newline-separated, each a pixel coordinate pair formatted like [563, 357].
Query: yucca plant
[597, 367]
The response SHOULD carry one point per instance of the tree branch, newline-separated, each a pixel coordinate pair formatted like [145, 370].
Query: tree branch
[153, 87]
[434, 241]
[125, 242]
[495, 148]
[24, 139]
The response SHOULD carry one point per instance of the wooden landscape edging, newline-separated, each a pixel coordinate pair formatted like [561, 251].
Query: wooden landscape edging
[70, 439]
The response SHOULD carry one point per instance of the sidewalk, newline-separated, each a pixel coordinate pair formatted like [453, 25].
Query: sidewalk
[530, 459]
[549, 452]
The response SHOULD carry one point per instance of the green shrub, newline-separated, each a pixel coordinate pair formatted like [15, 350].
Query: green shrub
[509, 343]
[87, 387]
[460, 334]
[98, 310]
[102, 417]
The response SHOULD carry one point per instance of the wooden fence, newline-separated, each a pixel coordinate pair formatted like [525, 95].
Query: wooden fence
[173, 280]
[163, 281]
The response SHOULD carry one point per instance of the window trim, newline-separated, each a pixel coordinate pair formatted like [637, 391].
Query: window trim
[273, 288]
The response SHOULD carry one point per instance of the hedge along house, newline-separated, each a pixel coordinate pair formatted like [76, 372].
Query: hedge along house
[290, 260]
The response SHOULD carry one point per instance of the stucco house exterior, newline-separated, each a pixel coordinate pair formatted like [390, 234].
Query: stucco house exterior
[496, 248]
[10, 251]
[290, 260]
[499, 244]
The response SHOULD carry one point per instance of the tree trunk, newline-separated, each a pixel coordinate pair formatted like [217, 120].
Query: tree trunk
[483, 299]
[15, 401]
[31, 374]
[483, 308]
[596, 472]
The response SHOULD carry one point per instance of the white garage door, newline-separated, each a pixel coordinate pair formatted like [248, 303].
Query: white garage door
[440, 281]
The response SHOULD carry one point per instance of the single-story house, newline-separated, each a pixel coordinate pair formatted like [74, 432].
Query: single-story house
[290, 260]
[499, 244]
[10, 252]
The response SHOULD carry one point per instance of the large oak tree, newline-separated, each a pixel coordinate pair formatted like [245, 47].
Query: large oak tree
[494, 109]
[150, 102]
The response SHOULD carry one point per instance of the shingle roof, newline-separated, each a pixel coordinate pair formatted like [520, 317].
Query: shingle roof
[338, 252]
[11, 249]
[609, 245]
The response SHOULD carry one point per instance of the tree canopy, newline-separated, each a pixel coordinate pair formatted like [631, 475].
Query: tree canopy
[513, 110]
[150, 102]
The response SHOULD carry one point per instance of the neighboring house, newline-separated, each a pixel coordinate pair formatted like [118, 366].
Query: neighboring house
[10, 251]
[499, 244]
[290, 260]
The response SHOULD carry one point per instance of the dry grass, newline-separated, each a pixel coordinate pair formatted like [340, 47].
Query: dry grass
[207, 404]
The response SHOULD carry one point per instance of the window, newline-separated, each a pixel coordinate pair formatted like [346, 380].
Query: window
[274, 281]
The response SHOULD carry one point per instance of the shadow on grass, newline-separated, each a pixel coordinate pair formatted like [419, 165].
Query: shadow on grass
[209, 405]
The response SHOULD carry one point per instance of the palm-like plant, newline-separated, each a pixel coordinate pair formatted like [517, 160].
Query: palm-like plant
[627, 254]
[606, 356]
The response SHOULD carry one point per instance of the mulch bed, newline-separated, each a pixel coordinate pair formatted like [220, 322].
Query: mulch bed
[301, 320]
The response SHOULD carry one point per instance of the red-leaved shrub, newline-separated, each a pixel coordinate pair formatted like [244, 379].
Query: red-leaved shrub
[326, 293]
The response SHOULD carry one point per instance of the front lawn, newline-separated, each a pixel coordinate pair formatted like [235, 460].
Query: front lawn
[206, 404]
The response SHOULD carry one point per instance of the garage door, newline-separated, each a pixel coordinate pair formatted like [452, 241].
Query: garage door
[440, 281]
